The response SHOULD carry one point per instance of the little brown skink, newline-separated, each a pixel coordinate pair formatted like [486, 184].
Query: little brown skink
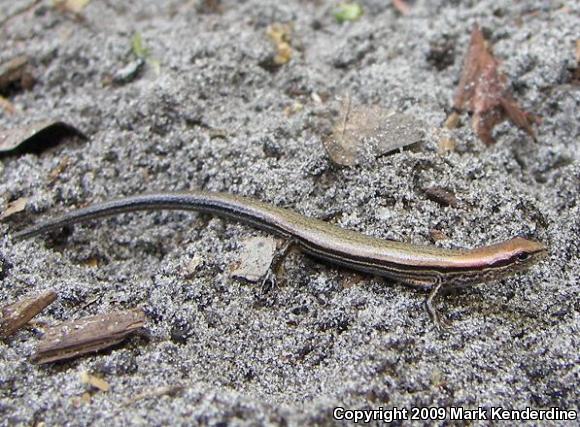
[426, 267]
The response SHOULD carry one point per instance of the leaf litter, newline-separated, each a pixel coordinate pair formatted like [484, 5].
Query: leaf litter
[365, 132]
[483, 91]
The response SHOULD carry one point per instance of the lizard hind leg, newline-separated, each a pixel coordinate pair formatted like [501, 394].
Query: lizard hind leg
[435, 287]
[270, 281]
[440, 323]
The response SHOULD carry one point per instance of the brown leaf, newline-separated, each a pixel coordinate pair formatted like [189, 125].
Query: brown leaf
[36, 136]
[91, 334]
[365, 132]
[482, 90]
[15, 316]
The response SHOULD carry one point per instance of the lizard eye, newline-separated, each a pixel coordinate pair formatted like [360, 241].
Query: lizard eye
[522, 256]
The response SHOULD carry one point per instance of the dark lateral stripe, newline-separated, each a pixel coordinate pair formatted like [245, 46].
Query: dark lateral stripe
[254, 215]
[388, 265]
[362, 264]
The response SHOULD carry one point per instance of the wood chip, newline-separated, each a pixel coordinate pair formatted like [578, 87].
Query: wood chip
[483, 91]
[78, 337]
[366, 132]
[452, 121]
[91, 262]
[7, 106]
[437, 235]
[442, 196]
[13, 207]
[576, 71]
[446, 145]
[255, 259]
[71, 6]
[94, 381]
[36, 136]
[54, 174]
[15, 73]
[15, 316]
[190, 269]
[280, 34]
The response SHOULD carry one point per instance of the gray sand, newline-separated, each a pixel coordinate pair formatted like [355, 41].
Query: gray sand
[325, 337]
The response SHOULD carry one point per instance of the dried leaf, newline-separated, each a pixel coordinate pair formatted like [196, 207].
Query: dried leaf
[280, 34]
[482, 90]
[13, 207]
[36, 136]
[255, 259]
[15, 316]
[91, 334]
[366, 132]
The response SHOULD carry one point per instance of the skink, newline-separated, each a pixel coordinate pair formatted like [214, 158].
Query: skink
[425, 267]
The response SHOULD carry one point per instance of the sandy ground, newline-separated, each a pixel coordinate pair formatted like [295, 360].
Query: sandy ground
[324, 338]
